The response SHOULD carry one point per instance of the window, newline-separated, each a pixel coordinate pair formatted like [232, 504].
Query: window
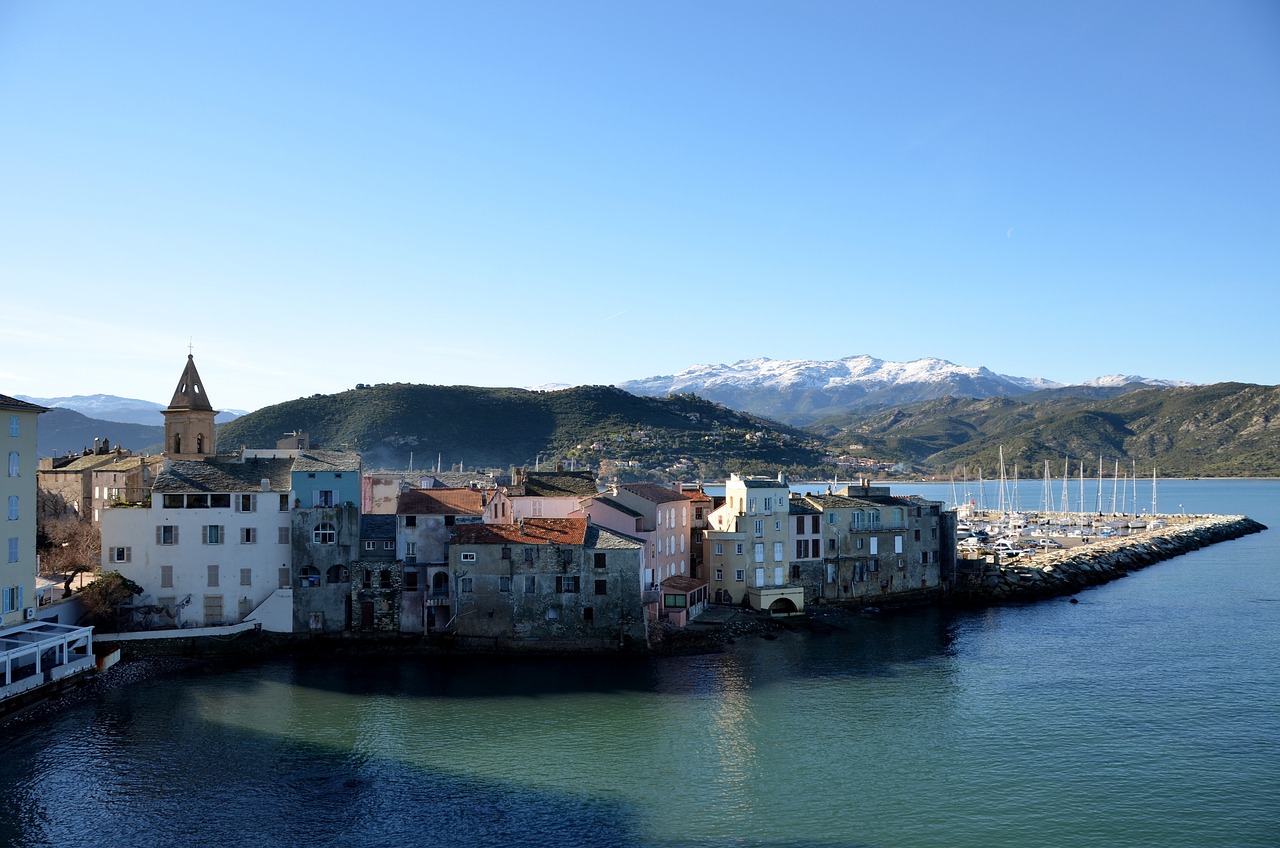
[13, 549]
[831, 518]
[858, 543]
[777, 552]
[768, 504]
[309, 577]
[211, 534]
[739, 575]
[248, 535]
[322, 497]
[737, 549]
[759, 526]
[528, 554]
[124, 554]
[469, 556]
[777, 524]
[675, 601]
[284, 502]
[246, 503]
[282, 535]
[166, 534]
[213, 576]
[536, 508]
[370, 545]
[719, 548]
[875, 545]
[465, 584]
[13, 463]
[602, 587]
[411, 551]
[530, 584]
[897, 544]
[388, 546]
[751, 505]
[166, 577]
[802, 548]
[324, 533]
[917, 535]
[567, 584]
[719, 575]
[697, 513]
[13, 507]
[795, 571]
[598, 560]
[506, 552]
[246, 577]
[759, 552]
[384, 578]
[814, 525]
[14, 425]
[504, 583]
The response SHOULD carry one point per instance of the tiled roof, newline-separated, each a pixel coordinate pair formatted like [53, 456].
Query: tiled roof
[682, 584]
[560, 484]
[654, 493]
[217, 476]
[530, 531]
[16, 405]
[846, 502]
[612, 504]
[461, 479]
[762, 483]
[441, 502]
[92, 462]
[377, 527]
[603, 538]
[326, 460]
[797, 506]
[697, 496]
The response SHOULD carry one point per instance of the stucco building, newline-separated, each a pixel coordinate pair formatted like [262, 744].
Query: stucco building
[18, 566]
[747, 546]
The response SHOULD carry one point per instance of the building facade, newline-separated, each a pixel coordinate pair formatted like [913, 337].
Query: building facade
[18, 567]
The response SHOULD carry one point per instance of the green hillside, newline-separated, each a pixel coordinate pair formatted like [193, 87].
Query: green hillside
[598, 427]
[1226, 429]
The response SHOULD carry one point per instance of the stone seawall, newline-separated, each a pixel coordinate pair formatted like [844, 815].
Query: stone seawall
[1067, 571]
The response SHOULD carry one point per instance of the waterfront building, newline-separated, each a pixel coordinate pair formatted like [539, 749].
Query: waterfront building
[875, 545]
[662, 517]
[425, 519]
[65, 484]
[126, 480]
[18, 566]
[746, 548]
[546, 583]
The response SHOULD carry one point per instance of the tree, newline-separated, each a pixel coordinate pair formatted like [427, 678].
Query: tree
[72, 546]
[101, 597]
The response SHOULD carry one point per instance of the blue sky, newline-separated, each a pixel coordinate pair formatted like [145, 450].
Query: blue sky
[515, 193]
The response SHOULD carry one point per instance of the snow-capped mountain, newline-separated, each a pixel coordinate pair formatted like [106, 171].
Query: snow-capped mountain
[1120, 380]
[119, 409]
[801, 391]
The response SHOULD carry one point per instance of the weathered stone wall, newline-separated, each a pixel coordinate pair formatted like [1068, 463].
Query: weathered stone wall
[1070, 570]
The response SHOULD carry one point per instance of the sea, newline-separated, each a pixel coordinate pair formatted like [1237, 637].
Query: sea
[1145, 714]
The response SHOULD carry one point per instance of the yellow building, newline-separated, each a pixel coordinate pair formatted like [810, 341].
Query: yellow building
[18, 494]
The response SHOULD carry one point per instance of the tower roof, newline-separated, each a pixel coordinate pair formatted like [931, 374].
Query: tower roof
[190, 392]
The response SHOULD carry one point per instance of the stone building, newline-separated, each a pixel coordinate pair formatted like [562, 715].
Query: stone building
[876, 546]
[546, 583]
[425, 519]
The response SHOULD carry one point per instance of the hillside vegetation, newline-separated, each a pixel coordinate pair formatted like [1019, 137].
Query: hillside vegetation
[1226, 429]
[598, 427]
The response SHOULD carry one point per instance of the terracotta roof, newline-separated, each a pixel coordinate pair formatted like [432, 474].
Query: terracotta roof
[697, 495]
[190, 392]
[530, 531]
[7, 402]
[560, 484]
[326, 460]
[440, 502]
[654, 493]
[217, 476]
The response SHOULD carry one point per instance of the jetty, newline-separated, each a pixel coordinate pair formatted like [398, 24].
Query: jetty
[1064, 572]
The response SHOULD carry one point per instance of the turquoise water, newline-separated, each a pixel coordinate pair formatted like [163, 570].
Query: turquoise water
[1146, 714]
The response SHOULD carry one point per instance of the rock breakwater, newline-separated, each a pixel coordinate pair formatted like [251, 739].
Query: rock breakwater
[1067, 571]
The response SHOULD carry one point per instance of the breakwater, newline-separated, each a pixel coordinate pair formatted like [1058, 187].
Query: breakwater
[1067, 571]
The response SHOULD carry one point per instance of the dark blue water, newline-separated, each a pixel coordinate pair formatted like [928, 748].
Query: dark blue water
[1146, 714]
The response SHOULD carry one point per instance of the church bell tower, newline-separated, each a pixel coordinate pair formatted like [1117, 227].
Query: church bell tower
[188, 422]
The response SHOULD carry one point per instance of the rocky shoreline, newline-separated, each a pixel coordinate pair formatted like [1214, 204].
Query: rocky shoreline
[1066, 572]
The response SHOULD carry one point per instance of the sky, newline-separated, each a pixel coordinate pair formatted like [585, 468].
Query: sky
[310, 195]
